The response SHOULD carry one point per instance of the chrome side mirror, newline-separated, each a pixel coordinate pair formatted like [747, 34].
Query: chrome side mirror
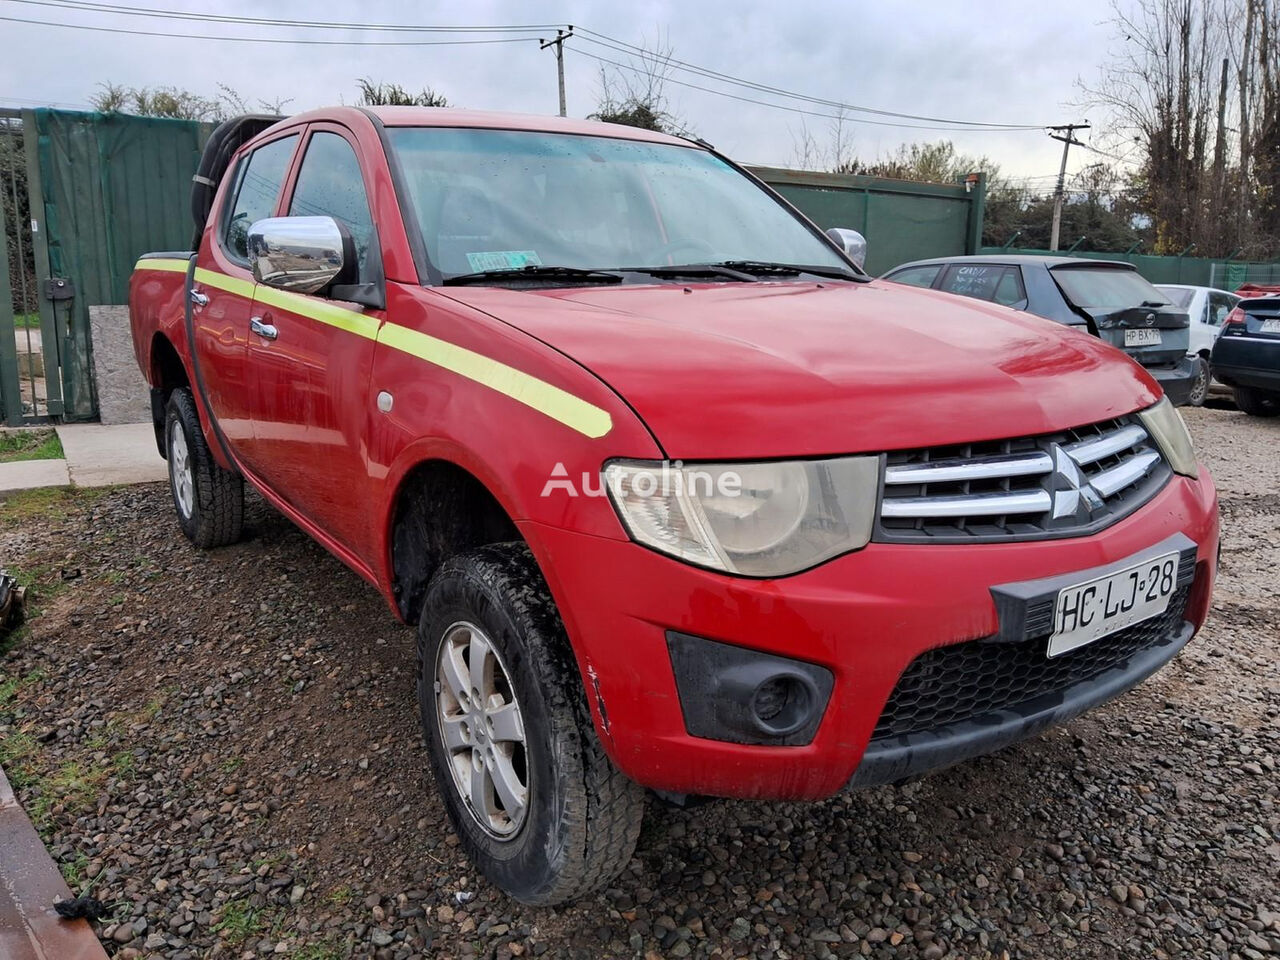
[852, 243]
[302, 254]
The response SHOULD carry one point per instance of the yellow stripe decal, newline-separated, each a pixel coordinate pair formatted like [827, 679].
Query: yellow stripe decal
[351, 321]
[156, 263]
[573, 412]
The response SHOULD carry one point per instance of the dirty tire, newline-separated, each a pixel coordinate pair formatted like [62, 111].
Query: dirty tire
[583, 816]
[1257, 403]
[210, 507]
[1200, 383]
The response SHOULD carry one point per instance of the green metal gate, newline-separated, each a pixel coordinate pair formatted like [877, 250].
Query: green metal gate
[102, 189]
[902, 220]
[27, 393]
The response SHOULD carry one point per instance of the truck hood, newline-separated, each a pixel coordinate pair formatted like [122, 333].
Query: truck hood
[729, 371]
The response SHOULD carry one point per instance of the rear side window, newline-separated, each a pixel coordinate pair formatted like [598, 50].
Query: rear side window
[329, 185]
[999, 283]
[917, 276]
[259, 182]
[1220, 304]
[1107, 288]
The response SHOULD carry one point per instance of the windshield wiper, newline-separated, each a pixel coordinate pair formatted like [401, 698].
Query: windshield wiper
[534, 272]
[762, 268]
[695, 270]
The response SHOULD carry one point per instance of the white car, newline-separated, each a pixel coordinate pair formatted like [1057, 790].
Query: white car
[1208, 307]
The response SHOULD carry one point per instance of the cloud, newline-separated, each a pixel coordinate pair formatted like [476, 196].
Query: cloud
[1002, 61]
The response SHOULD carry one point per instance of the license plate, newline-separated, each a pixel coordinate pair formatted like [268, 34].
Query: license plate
[1271, 326]
[1142, 338]
[1088, 611]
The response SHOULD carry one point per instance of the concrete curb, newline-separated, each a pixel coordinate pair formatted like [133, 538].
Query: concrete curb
[29, 885]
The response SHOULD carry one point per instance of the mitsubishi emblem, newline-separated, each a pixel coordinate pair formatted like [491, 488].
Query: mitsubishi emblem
[1071, 491]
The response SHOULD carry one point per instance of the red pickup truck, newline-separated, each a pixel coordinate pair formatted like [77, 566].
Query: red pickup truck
[676, 495]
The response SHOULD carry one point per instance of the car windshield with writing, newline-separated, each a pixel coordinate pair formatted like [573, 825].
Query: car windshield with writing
[501, 205]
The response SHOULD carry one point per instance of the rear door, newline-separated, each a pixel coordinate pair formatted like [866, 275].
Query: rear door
[222, 292]
[312, 404]
[1127, 310]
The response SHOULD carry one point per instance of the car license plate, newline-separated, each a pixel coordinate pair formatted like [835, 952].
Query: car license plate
[1271, 326]
[1142, 338]
[1088, 611]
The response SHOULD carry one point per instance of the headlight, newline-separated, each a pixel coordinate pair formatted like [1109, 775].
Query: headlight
[1165, 424]
[754, 519]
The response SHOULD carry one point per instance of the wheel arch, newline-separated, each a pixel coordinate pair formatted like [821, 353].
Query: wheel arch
[440, 507]
[167, 373]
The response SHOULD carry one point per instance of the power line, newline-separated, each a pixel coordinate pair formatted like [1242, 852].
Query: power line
[89, 6]
[789, 109]
[620, 46]
[327, 43]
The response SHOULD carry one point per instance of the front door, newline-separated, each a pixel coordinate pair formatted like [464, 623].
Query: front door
[222, 293]
[311, 358]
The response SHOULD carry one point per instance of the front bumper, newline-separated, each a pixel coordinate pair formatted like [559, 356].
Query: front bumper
[864, 617]
[1175, 379]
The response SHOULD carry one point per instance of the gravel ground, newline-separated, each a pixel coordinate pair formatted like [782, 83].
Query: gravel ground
[224, 748]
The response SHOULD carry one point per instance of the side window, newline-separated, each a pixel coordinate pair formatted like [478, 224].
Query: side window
[260, 179]
[1009, 291]
[329, 185]
[985, 281]
[1220, 304]
[917, 276]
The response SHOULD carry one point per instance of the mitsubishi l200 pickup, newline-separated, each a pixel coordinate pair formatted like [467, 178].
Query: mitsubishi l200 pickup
[676, 496]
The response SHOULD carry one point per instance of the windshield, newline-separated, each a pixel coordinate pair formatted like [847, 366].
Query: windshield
[1181, 296]
[506, 199]
[1107, 288]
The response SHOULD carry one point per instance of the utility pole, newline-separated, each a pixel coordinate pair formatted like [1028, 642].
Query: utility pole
[558, 43]
[1065, 133]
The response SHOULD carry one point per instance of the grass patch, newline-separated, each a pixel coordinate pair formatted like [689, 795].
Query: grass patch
[16, 753]
[30, 445]
[26, 505]
[24, 321]
[238, 923]
[318, 951]
[75, 785]
[75, 872]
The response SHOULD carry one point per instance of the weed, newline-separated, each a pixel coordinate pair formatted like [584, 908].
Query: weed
[74, 871]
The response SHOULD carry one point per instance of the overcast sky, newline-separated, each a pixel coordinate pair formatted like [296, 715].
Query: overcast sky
[994, 61]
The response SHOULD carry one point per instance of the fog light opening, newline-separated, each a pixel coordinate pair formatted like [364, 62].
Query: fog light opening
[783, 703]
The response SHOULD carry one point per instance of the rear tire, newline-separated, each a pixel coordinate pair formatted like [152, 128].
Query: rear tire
[571, 819]
[1257, 403]
[209, 501]
[1200, 383]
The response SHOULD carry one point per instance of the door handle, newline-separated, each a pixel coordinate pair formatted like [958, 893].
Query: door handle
[267, 331]
[198, 298]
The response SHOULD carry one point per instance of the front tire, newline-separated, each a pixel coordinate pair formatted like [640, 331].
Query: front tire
[209, 501]
[537, 804]
[1200, 383]
[1257, 403]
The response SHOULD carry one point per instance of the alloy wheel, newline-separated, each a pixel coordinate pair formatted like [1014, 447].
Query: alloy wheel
[482, 730]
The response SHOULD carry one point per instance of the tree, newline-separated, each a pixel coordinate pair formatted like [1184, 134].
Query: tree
[393, 95]
[178, 104]
[1209, 155]
[635, 94]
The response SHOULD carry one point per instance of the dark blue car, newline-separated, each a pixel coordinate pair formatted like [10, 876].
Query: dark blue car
[1246, 355]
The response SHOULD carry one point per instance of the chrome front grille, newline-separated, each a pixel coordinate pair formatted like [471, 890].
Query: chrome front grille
[1069, 483]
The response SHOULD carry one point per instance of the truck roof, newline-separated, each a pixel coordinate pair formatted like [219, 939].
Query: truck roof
[485, 119]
